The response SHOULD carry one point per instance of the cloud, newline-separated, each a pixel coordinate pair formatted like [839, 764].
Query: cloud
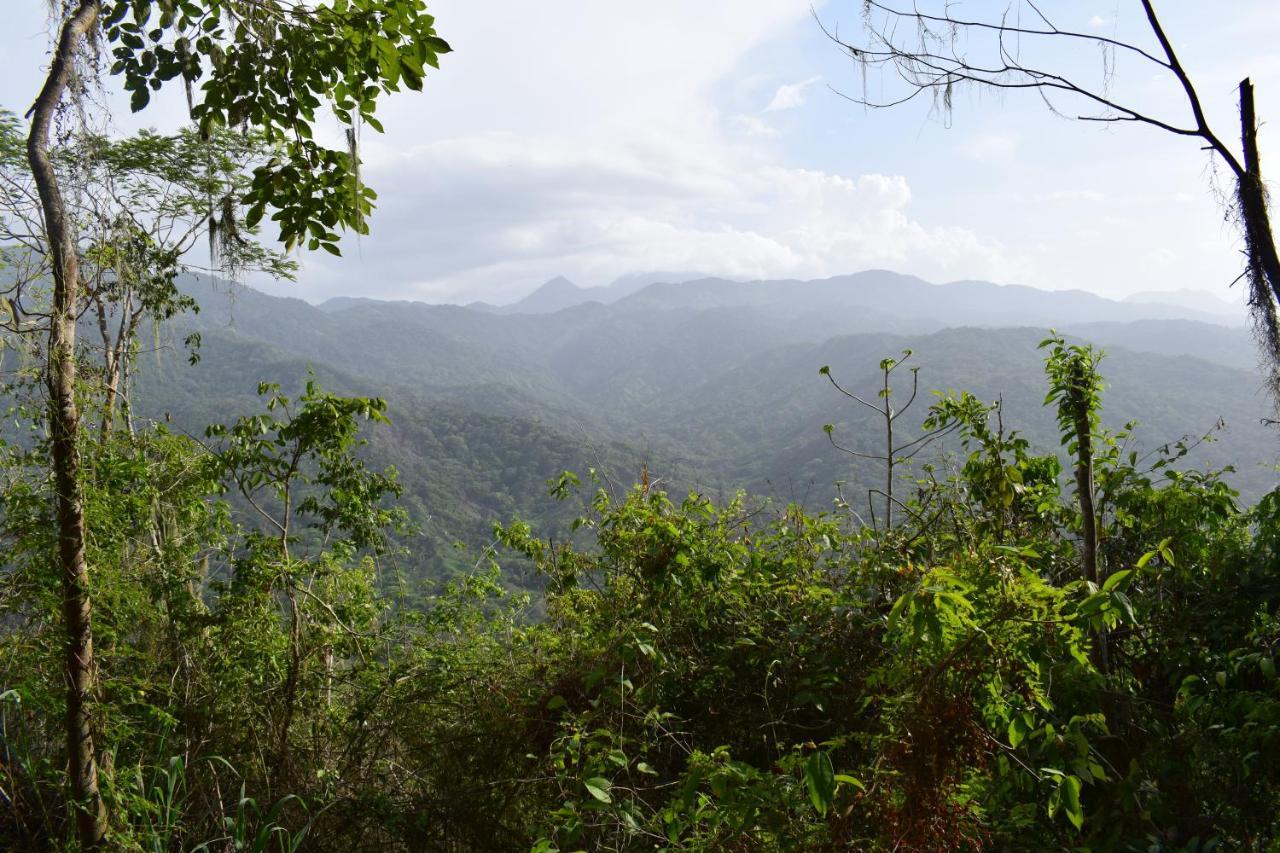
[522, 210]
[791, 95]
[754, 126]
[1071, 195]
[603, 137]
[993, 147]
[554, 143]
[1097, 22]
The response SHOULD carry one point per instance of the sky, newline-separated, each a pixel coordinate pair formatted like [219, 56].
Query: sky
[596, 139]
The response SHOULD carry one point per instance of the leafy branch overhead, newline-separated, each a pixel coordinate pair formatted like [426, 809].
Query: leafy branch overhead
[277, 66]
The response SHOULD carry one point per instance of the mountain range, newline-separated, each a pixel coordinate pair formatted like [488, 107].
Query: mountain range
[709, 383]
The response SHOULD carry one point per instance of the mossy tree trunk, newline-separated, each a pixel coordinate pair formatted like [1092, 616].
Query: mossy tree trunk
[64, 427]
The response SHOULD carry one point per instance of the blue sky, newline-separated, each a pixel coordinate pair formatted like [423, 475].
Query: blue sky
[595, 139]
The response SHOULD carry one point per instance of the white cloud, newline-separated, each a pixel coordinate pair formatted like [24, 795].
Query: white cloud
[592, 138]
[790, 95]
[521, 210]
[554, 143]
[754, 126]
[993, 147]
[1071, 195]
[1097, 22]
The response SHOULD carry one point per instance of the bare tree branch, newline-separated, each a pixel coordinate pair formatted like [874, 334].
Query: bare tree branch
[937, 60]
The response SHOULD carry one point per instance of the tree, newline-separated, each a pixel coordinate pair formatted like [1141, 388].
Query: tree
[266, 65]
[139, 206]
[1076, 387]
[935, 49]
[133, 210]
[894, 453]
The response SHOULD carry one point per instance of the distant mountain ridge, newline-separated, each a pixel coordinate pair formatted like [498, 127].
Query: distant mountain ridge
[977, 303]
[710, 382]
[1199, 300]
[921, 304]
[559, 293]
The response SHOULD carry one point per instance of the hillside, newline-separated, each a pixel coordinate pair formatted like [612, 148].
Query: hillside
[711, 384]
[586, 427]
[463, 463]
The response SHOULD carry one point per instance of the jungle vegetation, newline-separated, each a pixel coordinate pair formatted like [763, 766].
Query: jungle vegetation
[216, 636]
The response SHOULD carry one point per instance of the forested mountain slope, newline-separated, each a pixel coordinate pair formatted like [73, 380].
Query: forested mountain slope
[463, 461]
[776, 401]
[711, 384]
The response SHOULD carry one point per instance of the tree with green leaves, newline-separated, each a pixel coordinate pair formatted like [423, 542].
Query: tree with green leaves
[140, 206]
[715, 678]
[270, 66]
[238, 621]
[1075, 386]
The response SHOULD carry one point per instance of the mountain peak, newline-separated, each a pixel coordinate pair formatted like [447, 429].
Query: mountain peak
[555, 295]
[559, 284]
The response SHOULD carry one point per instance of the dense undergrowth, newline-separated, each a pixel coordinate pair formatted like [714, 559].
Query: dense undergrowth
[706, 677]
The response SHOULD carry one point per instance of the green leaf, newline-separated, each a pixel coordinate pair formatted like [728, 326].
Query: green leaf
[598, 787]
[1018, 729]
[820, 780]
[898, 606]
[1070, 787]
[846, 779]
[1120, 600]
[1118, 580]
[140, 98]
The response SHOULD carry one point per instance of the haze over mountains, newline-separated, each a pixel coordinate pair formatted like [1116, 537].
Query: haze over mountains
[987, 303]
[710, 383]
[1199, 300]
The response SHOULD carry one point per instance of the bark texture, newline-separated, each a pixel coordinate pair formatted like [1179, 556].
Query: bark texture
[64, 422]
[1263, 269]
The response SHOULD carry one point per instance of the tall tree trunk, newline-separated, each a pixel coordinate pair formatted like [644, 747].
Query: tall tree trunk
[1090, 567]
[1263, 268]
[1084, 496]
[888, 456]
[1253, 193]
[91, 817]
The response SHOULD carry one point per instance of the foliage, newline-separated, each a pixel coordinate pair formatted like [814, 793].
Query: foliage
[139, 204]
[696, 675]
[273, 66]
[339, 53]
[720, 399]
[211, 633]
[485, 409]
